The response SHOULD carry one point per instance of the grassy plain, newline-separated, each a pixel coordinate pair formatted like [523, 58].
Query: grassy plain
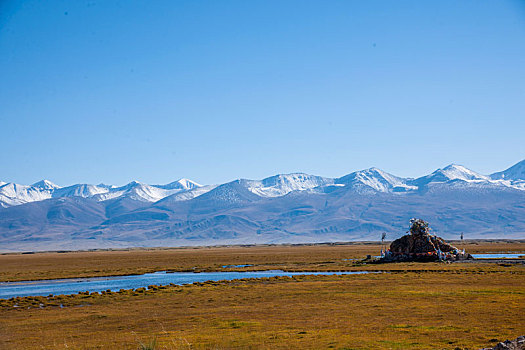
[415, 306]
[324, 257]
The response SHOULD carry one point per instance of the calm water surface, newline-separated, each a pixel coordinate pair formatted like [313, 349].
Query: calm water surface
[498, 256]
[115, 283]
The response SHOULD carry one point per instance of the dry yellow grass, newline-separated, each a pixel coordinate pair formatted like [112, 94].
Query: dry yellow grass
[17, 267]
[414, 310]
[414, 306]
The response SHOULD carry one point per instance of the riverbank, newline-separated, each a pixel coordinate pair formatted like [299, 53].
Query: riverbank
[401, 310]
[318, 257]
[413, 306]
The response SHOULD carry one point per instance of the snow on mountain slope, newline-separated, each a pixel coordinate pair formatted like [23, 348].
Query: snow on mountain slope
[279, 185]
[81, 190]
[375, 179]
[231, 214]
[293, 208]
[136, 191]
[515, 172]
[187, 195]
[450, 173]
[45, 185]
[14, 194]
[371, 180]
[181, 184]
[149, 193]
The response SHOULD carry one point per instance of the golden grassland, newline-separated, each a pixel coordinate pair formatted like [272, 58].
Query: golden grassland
[413, 306]
[18, 267]
[412, 310]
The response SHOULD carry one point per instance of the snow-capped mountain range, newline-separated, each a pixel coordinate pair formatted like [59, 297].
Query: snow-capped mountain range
[15, 194]
[372, 179]
[284, 208]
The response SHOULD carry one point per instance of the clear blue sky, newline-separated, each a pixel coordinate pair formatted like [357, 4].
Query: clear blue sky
[111, 91]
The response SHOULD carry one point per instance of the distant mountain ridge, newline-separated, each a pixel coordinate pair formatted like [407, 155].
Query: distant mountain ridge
[15, 194]
[285, 208]
[274, 186]
[515, 172]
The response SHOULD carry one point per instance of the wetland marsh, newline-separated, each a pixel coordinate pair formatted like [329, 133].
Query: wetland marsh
[415, 306]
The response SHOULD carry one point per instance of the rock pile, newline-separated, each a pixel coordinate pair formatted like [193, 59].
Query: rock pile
[421, 245]
[518, 344]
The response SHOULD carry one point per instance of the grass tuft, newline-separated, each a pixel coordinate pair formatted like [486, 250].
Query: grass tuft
[152, 345]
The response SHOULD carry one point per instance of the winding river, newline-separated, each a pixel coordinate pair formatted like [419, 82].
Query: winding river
[115, 283]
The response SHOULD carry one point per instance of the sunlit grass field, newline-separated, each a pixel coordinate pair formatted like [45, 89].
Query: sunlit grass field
[18, 267]
[413, 306]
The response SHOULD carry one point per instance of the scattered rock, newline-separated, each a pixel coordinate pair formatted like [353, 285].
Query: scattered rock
[517, 344]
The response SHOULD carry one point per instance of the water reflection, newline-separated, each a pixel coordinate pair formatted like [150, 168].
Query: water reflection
[115, 283]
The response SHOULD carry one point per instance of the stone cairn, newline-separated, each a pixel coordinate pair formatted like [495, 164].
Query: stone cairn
[517, 344]
[421, 245]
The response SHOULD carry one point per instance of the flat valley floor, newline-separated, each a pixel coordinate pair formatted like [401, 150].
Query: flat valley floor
[408, 306]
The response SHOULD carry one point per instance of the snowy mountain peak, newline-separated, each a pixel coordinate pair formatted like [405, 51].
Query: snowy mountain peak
[298, 180]
[281, 184]
[14, 194]
[187, 184]
[45, 185]
[370, 180]
[181, 184]
[80, 190]
[515, 172]
[450, 172]
[457, 171]
[376, 179]
[376, 172]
